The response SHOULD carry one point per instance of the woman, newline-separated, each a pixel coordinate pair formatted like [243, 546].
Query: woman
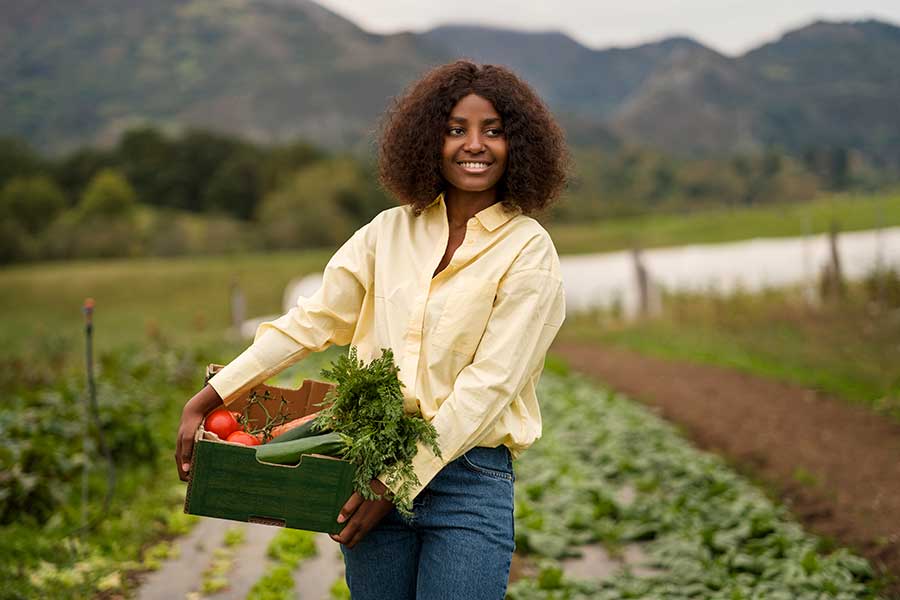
[465, 288]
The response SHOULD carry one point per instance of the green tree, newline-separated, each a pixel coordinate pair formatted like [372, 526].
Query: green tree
[17, 159]
[27, 206]
[146, 157]
[174, 172]
[320, 206]
[31, 202]
[236, 187]
[702, 182]
[281, 162]
[197, 157]
[75, 171]
[109, 195]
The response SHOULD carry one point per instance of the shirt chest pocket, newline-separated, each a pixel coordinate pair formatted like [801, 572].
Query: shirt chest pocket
[464, 316]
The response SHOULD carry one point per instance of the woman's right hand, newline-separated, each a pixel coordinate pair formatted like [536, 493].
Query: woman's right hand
[196, 409]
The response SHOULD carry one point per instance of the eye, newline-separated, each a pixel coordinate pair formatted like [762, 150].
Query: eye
[455, 131]
[494, 132]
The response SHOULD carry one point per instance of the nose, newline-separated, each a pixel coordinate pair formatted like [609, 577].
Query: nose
[474, 143]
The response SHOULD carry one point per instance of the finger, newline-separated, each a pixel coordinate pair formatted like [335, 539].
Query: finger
[181, 474]
[362, 522]
[187, 448]
[347, 533]
[350, 507]
[365, 520]
[358, 535]
[365, 525]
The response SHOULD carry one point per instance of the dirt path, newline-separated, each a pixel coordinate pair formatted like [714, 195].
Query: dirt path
[182, 575]
[314, 578]
[835, 465]
[249, 562]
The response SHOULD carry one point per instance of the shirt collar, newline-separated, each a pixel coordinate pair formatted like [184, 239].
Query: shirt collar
[490, 218]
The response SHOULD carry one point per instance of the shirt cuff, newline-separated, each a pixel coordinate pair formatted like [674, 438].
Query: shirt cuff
[233, 378]
[270, 353]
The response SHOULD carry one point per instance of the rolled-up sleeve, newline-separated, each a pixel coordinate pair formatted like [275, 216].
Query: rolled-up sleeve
[327, 317]
[528, 311]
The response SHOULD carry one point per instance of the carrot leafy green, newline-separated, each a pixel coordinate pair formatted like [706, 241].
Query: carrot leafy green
[366, 408]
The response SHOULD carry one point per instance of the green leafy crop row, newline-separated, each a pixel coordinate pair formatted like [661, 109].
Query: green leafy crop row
[710, 534]
[43, 429]
[43, 551]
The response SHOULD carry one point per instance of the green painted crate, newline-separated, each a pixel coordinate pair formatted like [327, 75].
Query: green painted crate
[226, 480]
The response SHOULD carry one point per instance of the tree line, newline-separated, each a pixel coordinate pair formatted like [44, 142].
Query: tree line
[198, 192]
[154, 193]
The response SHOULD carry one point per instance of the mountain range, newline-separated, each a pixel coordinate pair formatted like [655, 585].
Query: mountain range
[74, 72]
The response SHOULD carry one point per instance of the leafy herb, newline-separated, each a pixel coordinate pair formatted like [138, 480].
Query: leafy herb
[381, 439]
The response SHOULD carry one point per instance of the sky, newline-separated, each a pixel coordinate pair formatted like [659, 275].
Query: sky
[729, 26]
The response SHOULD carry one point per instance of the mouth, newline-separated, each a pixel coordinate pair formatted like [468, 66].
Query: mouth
[474, 166]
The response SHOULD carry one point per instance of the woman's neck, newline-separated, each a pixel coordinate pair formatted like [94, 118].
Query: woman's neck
[463, 205]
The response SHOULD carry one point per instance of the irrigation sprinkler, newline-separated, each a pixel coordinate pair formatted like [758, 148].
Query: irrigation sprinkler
[88, 310]
[92, 412]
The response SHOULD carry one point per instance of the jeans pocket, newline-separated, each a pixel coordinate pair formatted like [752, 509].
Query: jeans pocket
[493, 462]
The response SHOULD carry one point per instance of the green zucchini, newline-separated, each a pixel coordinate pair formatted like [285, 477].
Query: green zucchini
[288, 453]
[302, 431]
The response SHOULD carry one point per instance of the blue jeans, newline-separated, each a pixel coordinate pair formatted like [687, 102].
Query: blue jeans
[457, 545]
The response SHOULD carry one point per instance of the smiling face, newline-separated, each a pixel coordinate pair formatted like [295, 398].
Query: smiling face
[474, 153]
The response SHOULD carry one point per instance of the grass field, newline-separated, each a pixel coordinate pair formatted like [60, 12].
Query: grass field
[848, 349]
[187, 298]
[177, 299]
[849, 212]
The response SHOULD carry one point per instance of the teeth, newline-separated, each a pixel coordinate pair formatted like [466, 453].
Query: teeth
[474, 165]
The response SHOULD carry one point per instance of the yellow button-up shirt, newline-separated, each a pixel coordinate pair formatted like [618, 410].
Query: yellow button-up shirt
[470, 342]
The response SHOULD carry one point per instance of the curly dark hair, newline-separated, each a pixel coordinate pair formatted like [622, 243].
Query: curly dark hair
[413, 129]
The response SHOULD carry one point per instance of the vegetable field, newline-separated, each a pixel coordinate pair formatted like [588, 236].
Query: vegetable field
[607, 475]
[705, 531]
[607, 472]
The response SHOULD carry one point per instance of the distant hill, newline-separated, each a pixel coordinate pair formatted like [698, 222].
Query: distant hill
[569, 76]
[826, 84]
[695, 102]
[834, 84]
[75, 71]
[80, 71]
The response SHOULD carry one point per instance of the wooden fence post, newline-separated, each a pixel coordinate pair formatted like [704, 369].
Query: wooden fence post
[833, 286]
[238, 306]
[648, 302]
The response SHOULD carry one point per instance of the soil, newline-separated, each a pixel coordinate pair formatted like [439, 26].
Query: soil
[836, 466]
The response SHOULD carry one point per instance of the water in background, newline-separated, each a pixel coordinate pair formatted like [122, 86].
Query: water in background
[607, 279]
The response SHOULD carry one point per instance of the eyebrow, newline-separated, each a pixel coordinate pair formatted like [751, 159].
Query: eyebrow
[489, 121]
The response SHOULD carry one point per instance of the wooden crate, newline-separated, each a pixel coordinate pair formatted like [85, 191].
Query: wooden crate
[226, 481]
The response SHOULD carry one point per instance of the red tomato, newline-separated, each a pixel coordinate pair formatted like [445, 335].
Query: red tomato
[221, 422]
[242, 437]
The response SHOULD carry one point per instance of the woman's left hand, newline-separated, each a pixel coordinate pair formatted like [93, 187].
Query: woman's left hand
[362, 515]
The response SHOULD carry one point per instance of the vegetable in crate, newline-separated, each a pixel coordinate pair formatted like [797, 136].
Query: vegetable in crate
[242, 437]
[303, 430]
[380, 437]
[221, 422]
[280, 431]
[290, 452]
